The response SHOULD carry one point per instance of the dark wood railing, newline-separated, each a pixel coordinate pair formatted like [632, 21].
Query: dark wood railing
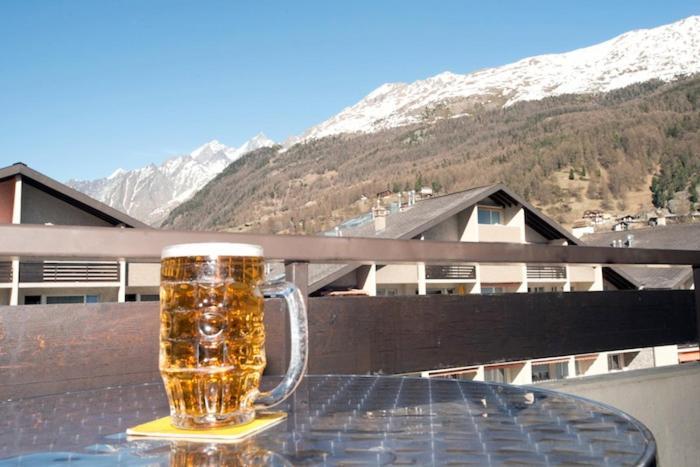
[53, 348]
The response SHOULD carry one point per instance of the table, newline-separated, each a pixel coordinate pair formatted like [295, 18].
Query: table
[339, 420]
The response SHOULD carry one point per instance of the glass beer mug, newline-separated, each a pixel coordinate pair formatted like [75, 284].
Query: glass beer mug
[212, 338]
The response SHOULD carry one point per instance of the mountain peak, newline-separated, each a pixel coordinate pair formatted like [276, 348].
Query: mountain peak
[149, 193]
[208, 149]
[664, 53]
[256, 142]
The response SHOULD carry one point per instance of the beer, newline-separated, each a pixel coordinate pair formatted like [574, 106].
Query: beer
[212, 338]
[197, 454]
[212, 350]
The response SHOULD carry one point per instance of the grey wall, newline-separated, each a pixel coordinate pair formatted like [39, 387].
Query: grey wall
[446, 231]
[39, 207]
[665, 399]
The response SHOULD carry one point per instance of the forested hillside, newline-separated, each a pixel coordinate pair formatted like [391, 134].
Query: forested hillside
[563, 153]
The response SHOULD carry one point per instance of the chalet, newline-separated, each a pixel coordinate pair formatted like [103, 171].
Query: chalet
[29, 197]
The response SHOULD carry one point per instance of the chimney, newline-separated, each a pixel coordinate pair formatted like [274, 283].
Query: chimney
[379, 214]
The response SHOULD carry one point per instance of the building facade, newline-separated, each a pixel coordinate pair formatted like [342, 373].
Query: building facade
[487, 214]
[29, 197]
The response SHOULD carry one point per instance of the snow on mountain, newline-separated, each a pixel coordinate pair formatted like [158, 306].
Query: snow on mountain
[151, 192]
[663, 53]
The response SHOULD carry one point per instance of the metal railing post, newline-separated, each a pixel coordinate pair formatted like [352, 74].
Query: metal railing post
[298, 273]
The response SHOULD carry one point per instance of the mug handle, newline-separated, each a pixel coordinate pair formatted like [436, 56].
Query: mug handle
[299, 342]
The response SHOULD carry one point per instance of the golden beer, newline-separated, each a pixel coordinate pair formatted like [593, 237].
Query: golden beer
[212, 337]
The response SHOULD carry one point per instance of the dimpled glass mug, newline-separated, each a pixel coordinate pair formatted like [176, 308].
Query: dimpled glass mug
[212, 338]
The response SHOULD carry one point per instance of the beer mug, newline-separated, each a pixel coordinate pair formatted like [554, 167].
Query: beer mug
[212, 337]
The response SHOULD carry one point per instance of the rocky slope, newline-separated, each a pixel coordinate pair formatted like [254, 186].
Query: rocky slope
[566, 154]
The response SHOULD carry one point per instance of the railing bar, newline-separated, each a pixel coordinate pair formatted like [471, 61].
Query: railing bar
[103, 242]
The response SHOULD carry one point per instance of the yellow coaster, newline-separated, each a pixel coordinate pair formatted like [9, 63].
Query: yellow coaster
[162, 429]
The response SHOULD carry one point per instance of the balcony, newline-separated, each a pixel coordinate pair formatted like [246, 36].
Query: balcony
[454, 272]
[582, 273]
[501, 273]
[499, 233]
[64, 271]
[74, 347]
[538, 272]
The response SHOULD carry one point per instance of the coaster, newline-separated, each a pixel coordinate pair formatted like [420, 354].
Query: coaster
[162, 429]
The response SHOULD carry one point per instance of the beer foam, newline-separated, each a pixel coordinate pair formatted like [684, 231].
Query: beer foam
[211, 249]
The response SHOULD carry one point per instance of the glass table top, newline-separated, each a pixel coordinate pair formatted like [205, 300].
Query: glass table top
[338, 420]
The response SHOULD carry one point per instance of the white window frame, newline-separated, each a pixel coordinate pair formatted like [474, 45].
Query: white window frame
[490, 210]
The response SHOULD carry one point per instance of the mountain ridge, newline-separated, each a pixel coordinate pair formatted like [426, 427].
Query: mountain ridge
[563, 153]
[150, 192]
[663, 52]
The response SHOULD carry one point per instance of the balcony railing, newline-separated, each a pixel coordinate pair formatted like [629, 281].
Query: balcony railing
[546, 272]
[5, 271]
[53, 348]
[451, 271]
[63, 271]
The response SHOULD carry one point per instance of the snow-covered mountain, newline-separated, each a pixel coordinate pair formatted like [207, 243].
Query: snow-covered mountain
[663, 53]
[151, 192]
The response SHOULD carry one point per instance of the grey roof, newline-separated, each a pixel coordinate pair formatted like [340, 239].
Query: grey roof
[77, 198]
[672, 237]
[432, 211]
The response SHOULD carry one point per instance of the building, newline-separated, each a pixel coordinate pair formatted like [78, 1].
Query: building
[492, 214]
[486, 214]
[29, 197]
[672, 236]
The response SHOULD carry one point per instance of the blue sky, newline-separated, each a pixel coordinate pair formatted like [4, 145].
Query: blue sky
[89, 86]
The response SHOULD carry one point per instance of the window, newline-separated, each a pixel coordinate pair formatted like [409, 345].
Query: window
[535, 289]
[32, 300]
[143, 297]
[491, 290]
[550, 371]
[489, 216]
[497, 375]
[440, 291]
[150, 297]
[540, 372]
[92, 299]
[387, 292]
[615, 362]
[62, 299]
[561, 370]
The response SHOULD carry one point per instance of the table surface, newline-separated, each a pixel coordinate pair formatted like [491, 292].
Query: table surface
[338, 420]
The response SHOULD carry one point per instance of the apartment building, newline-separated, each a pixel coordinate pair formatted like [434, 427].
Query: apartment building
[658, 235]
[29, 197]
[491, 213]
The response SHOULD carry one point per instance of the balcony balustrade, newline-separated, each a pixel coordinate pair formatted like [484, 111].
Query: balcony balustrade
[451, 272]
[546, 272]
[390, 334]
[63, 271]
[5, 271]
[51, 349]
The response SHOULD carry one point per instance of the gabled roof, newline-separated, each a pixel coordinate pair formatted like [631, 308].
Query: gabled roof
[673, 237]
[68, 194]
[425, 214]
